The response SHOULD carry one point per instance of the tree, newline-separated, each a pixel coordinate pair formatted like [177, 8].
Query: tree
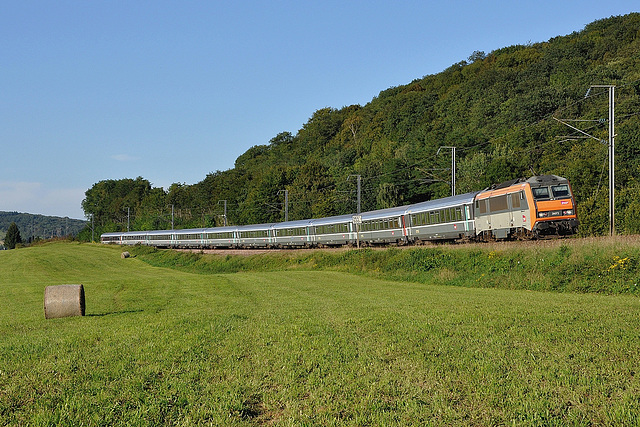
[13, 236]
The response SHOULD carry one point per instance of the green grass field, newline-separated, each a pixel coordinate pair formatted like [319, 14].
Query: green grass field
[305, 346]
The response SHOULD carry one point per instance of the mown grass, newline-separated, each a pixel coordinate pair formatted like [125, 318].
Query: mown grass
[603, 265]
[306, 346]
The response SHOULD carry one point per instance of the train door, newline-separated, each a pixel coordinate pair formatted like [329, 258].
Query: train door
[512, 212]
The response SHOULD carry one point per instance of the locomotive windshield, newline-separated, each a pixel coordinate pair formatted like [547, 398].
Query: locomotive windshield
[540, 193]
[560, 191]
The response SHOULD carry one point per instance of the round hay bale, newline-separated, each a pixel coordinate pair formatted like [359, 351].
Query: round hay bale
[63, 301]
[125, 254]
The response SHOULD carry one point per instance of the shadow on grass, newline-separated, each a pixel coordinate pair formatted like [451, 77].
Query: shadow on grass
[112, 313]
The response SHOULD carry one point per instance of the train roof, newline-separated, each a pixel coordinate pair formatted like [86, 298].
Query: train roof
[447, 202]
[160, 232]
[338, 219]
[132, 233]
[112, 233]
[254, 227]
[384, 213]
[292, 224]
[546, 179]
[227, 229]
[187, 231]
[536, 179]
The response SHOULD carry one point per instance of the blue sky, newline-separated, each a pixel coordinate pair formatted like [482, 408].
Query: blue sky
[174, 90]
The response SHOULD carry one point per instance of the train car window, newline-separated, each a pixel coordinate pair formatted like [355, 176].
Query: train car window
[560, 191]
[160, 237]
[188, 236]
[255, 234]
[481, 207]
[220, 235]
[337, 228]
[458, 214]
[524, 204]
[515, 200]
[288, 232]
[540, 193]
[497, 204]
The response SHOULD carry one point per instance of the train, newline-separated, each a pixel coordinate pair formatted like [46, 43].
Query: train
[525, 208]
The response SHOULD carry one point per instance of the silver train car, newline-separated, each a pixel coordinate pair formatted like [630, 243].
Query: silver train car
[451, 218]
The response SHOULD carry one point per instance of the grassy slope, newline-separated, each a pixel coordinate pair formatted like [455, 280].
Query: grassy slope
[161, 346]
[597, 265]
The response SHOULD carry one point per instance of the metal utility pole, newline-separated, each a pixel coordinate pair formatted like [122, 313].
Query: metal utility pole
[612, 136]
[286, 204]
[611, 145]
[359, 179]
[224, 217]
[453, 167]
[172, 217]
[128, 218]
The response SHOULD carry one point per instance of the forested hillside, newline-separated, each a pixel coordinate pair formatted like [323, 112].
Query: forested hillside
[40, 226]
[497, 109]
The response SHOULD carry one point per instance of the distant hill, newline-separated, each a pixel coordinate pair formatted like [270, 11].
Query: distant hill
[40, 226]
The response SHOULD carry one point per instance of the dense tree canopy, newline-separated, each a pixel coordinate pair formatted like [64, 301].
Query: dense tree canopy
[497, 109]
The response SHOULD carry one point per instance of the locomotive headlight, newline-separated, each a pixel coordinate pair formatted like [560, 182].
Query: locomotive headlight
[543, 214]
[567, 212]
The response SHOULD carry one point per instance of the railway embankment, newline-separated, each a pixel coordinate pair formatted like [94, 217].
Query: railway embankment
[591, 265]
